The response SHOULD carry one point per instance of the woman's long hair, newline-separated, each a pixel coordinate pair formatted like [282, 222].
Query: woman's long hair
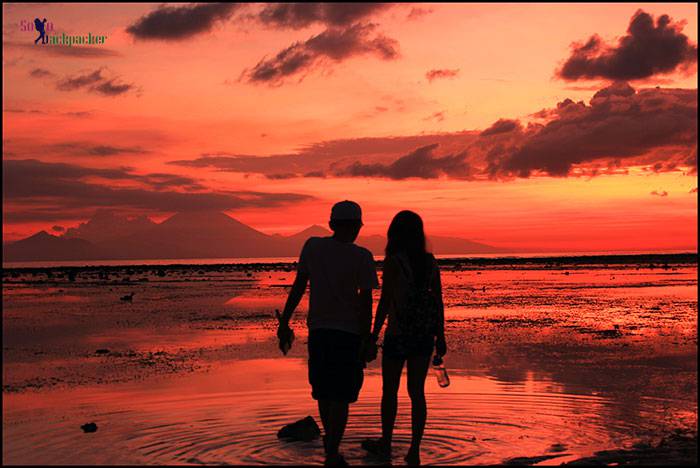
[406, 235]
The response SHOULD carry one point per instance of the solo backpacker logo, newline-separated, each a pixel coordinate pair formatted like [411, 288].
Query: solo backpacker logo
[44, 27]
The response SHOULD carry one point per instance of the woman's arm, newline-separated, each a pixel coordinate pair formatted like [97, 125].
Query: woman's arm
[385, 298]
[436, 287]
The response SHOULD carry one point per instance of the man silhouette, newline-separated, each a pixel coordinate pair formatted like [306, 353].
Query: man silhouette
[342, 277]
[40, 26]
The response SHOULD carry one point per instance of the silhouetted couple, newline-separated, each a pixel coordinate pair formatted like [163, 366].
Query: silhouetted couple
[342, 276]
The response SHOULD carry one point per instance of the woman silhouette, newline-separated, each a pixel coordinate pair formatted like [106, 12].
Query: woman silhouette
[412, 299]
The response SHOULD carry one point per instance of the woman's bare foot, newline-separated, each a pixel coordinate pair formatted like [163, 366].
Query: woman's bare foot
[378, 448]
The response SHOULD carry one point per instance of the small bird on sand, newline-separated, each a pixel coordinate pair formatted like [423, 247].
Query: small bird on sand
[128, 297]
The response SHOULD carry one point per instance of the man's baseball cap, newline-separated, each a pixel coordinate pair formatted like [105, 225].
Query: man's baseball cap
[346, 210]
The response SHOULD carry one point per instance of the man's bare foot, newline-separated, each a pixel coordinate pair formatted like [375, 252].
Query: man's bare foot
[412, 457]
[335, 460]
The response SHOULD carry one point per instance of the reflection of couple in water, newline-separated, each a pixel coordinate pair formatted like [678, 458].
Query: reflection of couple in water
[341, 337]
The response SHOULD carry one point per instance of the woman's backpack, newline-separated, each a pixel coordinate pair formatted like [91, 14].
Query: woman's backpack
[418, 313]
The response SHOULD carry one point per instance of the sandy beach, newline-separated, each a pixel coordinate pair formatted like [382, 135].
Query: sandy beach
[551, 361]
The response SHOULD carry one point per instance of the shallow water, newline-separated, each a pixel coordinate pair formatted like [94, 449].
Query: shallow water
[231, 416]
[543, 360]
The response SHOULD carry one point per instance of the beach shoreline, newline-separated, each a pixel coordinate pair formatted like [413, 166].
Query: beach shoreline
[545, 360]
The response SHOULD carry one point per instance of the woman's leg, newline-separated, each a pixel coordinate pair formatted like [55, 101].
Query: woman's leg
[417, 369]
[391, 377]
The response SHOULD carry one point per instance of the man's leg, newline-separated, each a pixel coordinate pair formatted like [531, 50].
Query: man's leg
[337, 419]
[324, 410]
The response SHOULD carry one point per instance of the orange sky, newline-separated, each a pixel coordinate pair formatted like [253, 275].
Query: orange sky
[166, 103]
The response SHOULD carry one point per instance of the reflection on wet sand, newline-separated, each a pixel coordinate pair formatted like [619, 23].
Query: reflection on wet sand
[543, 364]
[222, 417]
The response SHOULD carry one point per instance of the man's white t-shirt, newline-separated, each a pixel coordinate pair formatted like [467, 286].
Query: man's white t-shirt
[336, 271]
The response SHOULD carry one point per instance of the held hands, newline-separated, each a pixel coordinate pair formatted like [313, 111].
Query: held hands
[369, 350]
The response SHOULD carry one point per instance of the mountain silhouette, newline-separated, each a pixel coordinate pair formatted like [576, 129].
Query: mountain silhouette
[44, 246]
[196, 234]
[107, 225]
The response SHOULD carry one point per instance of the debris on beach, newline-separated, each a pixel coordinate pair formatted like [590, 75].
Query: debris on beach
[305, 429]
[89, 427]
[128, 297]
[518, 461]
[556, 448]
[677, 449]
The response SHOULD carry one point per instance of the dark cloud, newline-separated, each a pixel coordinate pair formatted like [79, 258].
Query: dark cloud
[80, 81]
[301, 15]
[76, 148]
[174, 23]
[646, 50]
[313, 160]
[421, 163]
[58, 229]
[112, 88]
[331, 46]
[501, 126]
[614, 125]
[440, 74]
[96, 82]
[659, 193]
[35, 190]
[438, 116]
[80, 114]
[24, 111]
[106, 150]
[40, 73]
[618, 129]
[417, 13]
[282, 176]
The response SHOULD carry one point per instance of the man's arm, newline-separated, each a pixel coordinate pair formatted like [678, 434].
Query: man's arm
[295, 295]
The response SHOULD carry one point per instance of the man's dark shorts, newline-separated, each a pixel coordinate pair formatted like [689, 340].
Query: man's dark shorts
[335, 369]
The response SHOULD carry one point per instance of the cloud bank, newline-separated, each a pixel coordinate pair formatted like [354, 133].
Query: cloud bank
[175, 23]
[39, 191]
[619, 128]
[646, 50]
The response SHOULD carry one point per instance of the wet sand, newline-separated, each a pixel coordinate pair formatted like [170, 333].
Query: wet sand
[550, 362]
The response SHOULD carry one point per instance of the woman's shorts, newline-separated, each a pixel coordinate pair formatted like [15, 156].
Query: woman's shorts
[336, 371]
[400, 347]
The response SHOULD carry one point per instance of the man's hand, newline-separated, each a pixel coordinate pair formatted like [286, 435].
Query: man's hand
[440, 346]
[285, 335]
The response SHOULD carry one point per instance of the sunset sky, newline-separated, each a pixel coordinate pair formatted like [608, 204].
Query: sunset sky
[527, 126]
